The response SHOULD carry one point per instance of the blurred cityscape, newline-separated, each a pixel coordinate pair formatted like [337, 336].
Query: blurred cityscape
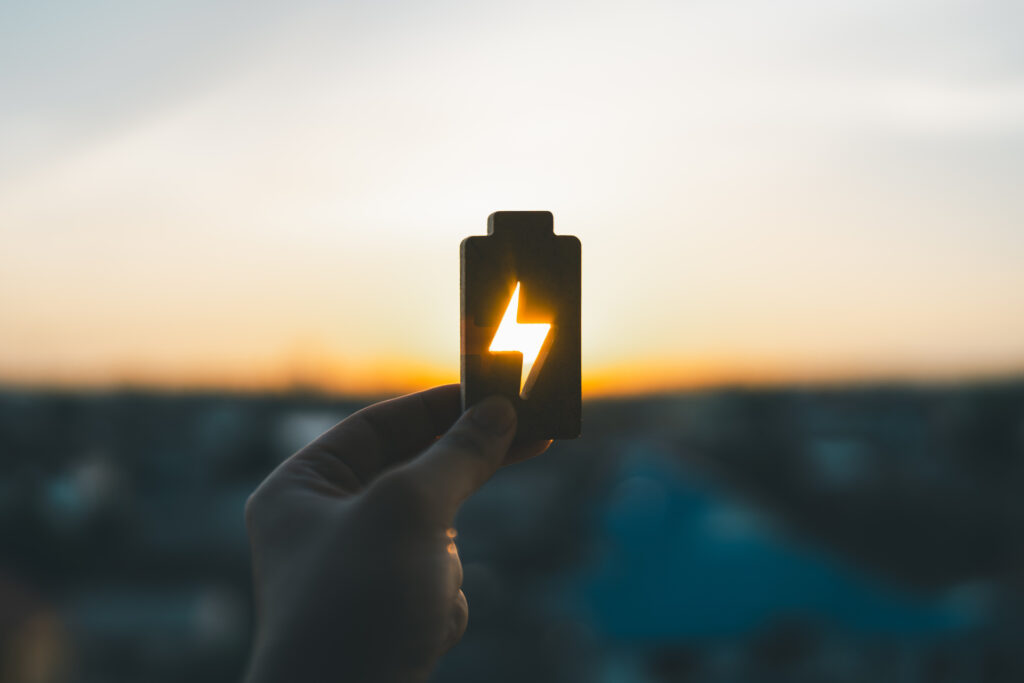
[845, 534]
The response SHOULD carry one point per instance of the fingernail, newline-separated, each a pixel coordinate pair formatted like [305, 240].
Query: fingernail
[494, 414]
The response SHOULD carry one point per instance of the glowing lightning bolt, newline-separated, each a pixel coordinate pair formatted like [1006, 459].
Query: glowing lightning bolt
[527, 338]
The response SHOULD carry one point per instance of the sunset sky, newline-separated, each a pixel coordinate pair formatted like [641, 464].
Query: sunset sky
[259, 195]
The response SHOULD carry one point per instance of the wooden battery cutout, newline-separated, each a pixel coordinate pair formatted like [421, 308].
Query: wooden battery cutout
[521, 322]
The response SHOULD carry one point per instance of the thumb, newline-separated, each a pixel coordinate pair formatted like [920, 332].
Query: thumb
[464, 458]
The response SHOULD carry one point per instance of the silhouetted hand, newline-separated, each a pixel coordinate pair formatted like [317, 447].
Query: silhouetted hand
[356, 572]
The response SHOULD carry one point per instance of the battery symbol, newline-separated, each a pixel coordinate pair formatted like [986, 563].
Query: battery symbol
[520, 301]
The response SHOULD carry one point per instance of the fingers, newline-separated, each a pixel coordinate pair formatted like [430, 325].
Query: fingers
[465, 457]
[460, 609]
[459, 621]
[525, 451]
[455, 562]
[379, 436]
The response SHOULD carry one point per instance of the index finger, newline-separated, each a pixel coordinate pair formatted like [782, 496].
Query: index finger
[383, 435]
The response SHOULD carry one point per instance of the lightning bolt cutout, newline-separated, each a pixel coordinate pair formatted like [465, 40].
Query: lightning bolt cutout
[527, 338]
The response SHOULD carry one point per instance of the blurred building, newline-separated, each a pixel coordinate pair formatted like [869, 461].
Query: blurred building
[840, 535]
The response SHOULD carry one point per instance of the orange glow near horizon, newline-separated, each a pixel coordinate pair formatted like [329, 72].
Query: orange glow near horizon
[279, 203]
[381, 377]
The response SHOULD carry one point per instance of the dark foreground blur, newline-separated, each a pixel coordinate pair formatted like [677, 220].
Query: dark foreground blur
[840, 535]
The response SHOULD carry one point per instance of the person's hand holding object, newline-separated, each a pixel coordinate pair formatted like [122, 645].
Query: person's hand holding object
[356, 573]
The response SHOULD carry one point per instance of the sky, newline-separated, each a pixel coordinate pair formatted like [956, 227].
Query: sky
[264, 195]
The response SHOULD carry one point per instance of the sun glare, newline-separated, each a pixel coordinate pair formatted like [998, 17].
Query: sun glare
[527, 338]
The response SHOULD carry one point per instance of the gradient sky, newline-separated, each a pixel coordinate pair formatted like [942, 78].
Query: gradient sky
[258, 195]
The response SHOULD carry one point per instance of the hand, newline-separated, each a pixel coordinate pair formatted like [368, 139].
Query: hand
[356, 572]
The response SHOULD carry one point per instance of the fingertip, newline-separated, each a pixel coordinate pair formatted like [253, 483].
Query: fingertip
[467, 455]
[521, 452]
[494, 414]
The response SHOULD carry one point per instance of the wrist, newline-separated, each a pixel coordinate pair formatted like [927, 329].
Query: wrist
[276, 660]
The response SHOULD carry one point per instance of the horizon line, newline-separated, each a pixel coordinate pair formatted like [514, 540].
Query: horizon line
[325, 389]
